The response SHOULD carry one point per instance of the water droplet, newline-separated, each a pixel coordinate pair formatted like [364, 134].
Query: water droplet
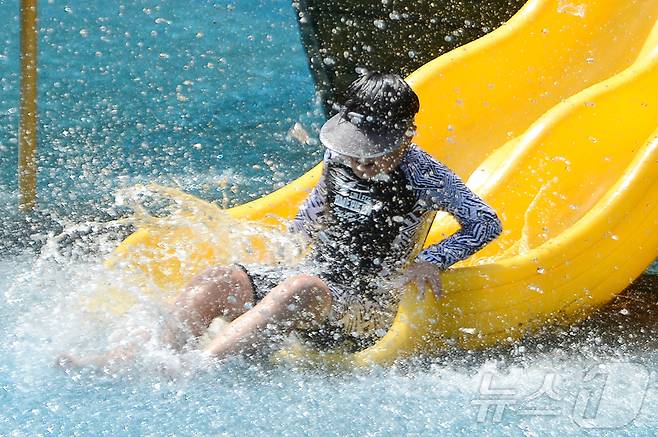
[535, 288]
[540, 270]
[447, 38]
[624, 312]
[566, 7]
[52, 406]
[379, 24]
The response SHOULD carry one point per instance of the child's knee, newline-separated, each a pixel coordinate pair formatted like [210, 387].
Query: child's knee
[220, 277]
[219, 273]
[308, 291]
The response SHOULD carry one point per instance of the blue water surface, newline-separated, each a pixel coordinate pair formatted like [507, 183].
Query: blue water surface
[201, 95]
[175, 91]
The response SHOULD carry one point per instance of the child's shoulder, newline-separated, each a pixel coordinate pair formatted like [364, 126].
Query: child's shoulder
[418, 157]
[421, 166]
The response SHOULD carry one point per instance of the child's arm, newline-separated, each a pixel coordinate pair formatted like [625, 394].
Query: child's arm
[443, 190]
[311, 212]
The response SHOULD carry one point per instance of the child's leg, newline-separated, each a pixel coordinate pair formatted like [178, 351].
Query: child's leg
[218, 291]
[118, 354]
[299, 300]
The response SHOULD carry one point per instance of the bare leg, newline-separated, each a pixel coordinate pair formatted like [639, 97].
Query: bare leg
[118, 354]
[218, 291]
[299, 300]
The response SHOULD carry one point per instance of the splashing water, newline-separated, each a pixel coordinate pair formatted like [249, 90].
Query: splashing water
[158, 93]
[575, 380]
[77, 291]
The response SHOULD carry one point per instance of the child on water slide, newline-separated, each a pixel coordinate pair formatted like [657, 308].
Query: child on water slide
[367, 217]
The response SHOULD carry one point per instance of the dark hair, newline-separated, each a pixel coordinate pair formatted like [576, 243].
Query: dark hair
[384, 96]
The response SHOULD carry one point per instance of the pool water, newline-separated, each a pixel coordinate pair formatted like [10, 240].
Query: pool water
[143, 91]
[202, 96]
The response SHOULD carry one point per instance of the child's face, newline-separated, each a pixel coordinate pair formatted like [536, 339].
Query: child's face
[372, 167]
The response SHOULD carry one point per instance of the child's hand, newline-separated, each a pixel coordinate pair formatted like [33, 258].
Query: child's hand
[424, 274]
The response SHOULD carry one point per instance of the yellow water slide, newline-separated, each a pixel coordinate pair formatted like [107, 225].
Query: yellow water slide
[553, 119]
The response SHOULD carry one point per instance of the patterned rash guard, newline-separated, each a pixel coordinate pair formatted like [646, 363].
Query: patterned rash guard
[363, 229]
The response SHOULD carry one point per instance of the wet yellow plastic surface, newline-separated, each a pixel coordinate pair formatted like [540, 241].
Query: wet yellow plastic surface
[553, 120]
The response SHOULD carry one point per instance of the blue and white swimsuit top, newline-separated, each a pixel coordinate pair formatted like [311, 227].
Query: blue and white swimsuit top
[366, 228]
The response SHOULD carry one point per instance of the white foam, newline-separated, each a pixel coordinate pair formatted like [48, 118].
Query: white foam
[567, 7]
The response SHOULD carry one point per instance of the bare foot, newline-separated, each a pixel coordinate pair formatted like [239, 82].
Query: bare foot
[118, 355]
[123, 353]
[67, 361]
